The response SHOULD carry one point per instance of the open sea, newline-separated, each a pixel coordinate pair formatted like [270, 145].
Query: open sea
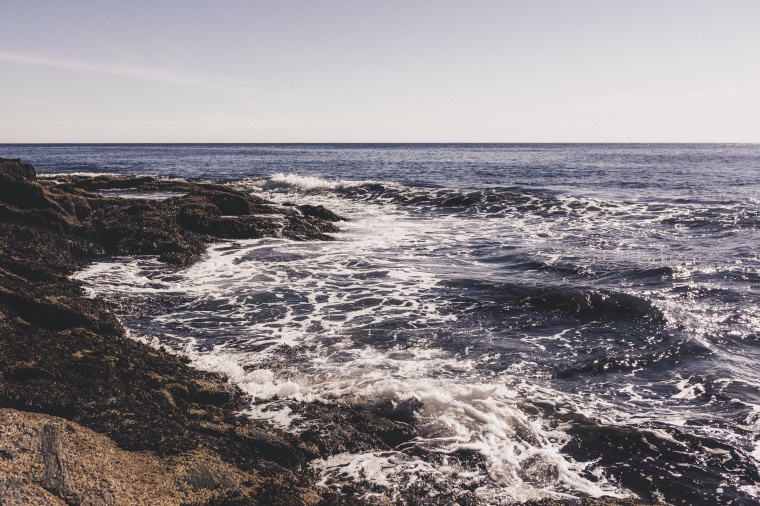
[561, 320]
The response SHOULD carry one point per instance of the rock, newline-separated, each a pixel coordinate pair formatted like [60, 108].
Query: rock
[54, 476]
[16, 170]
[354, 429]
[229, 203]
[320, 212]
[18, 185]
[176, 229]
[15, 491]
[194, 214]
[302, 228]
[205, 476]
[245, 227]
[48, 460]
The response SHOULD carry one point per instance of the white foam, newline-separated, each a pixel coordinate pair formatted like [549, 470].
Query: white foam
[85, 174]
[752, 423]
[303, 182]
[522, 457]
[140, 194]
[687, 390]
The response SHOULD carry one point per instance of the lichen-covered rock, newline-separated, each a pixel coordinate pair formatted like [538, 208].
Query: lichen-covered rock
[50, 460]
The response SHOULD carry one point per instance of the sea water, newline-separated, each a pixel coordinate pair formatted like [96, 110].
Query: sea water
[559, 320]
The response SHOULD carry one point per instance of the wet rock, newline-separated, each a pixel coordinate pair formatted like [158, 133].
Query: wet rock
[194, 214]
[320, 212]
[356, 429]
[302, 228]
[248, 227]
[208, 392]
[230, 203]
[177, 229]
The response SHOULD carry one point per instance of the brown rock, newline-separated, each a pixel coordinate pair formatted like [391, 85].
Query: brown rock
[47, 460]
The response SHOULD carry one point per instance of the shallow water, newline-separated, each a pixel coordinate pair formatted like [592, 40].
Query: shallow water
[561, 320]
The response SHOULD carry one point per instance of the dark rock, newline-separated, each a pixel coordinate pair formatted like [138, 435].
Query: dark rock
[16, 170]
[205, 476]
[18, 185]
[302, 228]
[246, 227]
[210, 393]
[320, 212]
[356, 429]
[109, 182]
[194, 214]
[229, 203]
[54, 477]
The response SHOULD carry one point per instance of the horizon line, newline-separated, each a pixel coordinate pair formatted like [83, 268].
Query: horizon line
[348, 143]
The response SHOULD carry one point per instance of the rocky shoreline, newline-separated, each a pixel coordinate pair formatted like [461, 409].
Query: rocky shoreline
[91, 417]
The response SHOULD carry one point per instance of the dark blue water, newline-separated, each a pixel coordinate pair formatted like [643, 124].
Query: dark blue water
[622, 170]
[582, 318]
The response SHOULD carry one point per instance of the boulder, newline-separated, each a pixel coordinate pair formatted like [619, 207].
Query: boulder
[18, 185]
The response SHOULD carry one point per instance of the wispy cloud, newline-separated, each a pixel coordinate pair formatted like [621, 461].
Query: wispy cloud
[27, 102]
[131, 71]
[168, 45]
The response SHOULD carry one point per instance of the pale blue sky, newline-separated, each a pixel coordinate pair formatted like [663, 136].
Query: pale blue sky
[382, 71]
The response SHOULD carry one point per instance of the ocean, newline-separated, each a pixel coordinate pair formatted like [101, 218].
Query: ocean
[560, 320]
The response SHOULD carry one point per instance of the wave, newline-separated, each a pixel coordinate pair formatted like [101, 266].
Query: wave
[717, 217]
[282, 180]
[637, 453]
[593, 303]
[598, 360]
[707, 216]
[583, 303]
[489, 200]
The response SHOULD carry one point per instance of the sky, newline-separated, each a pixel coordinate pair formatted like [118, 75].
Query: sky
[380, 71]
